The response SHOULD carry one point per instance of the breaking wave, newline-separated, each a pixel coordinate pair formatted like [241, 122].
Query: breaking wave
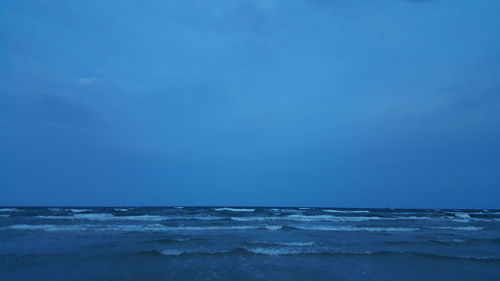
[234, 209]
[80, 210]
[285, 251]
[458, 228]
[356, 228]
[345, 211]
[136, 228]
[8, 210]
[105, 217]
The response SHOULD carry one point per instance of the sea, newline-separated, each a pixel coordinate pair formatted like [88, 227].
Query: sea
[248, 243]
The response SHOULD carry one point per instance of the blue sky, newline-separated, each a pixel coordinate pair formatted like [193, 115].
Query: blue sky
[386, 103]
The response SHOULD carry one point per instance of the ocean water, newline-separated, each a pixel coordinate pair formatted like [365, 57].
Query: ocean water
[231, 243]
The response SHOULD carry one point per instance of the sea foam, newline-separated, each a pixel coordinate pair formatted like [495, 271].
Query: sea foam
[8, 210]
[235, 209]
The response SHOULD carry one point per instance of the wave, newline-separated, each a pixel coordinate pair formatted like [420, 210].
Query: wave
[295, 251]
[121, 209]
[234, 209]
[285, 210]
[136, 228]
[4, 216]
[54, 209]
[105, 217]
[8, 210]
[175, 240]
[161, 228]
[285, 251]
[80, 210]
[453, 241]
[355, 228]
[458, 228]
[329, 218]
[345, 211]
[461, 215]
[46, 227]
[303, 218]
[313, 218]
[279, 251]
[290, 244]
[203, 218]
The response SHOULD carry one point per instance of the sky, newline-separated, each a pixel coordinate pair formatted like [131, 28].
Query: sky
[372, 103]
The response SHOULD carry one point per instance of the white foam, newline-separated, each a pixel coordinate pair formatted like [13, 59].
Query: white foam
[273, 227]
[121, 209]
[292, 244]
[462, 215]
[105, 217]
[345, 211]
[276, 251]
[313, 218]
[234, 209]
[135, 228]
[8, 210]
[354, 228]
[171, 252]
[80, 210]
[158, 227]
[458, 228]
[415, 218]
[286, 210]
[330, 218]
[175, 252]
[47, 227]
[203, 218]
[255, 218]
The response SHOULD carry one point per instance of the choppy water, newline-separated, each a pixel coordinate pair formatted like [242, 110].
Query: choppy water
[222, 243]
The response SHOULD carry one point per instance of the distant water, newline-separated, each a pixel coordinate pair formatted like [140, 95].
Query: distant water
[230, 243]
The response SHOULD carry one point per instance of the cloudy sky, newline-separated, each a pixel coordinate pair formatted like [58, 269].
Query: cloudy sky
[373, 103]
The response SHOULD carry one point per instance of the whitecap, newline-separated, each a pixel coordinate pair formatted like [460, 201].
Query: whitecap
[171, 252]
[80, 210]
[290, 244]
[47, 227]
[462, 215]
[277, 251]
[8, 210]
[286, 210]
[121, 209]
[273, 227]
[234, 209]
[203, 218]
[105, 217]
[345, 211]
[4, 216]
[175, 252]
[330, 218]
[354, 228]
[458, 228]
[255, 218]
[135, 228]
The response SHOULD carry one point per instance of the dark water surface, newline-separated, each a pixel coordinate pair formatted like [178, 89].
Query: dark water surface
[211, 243]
